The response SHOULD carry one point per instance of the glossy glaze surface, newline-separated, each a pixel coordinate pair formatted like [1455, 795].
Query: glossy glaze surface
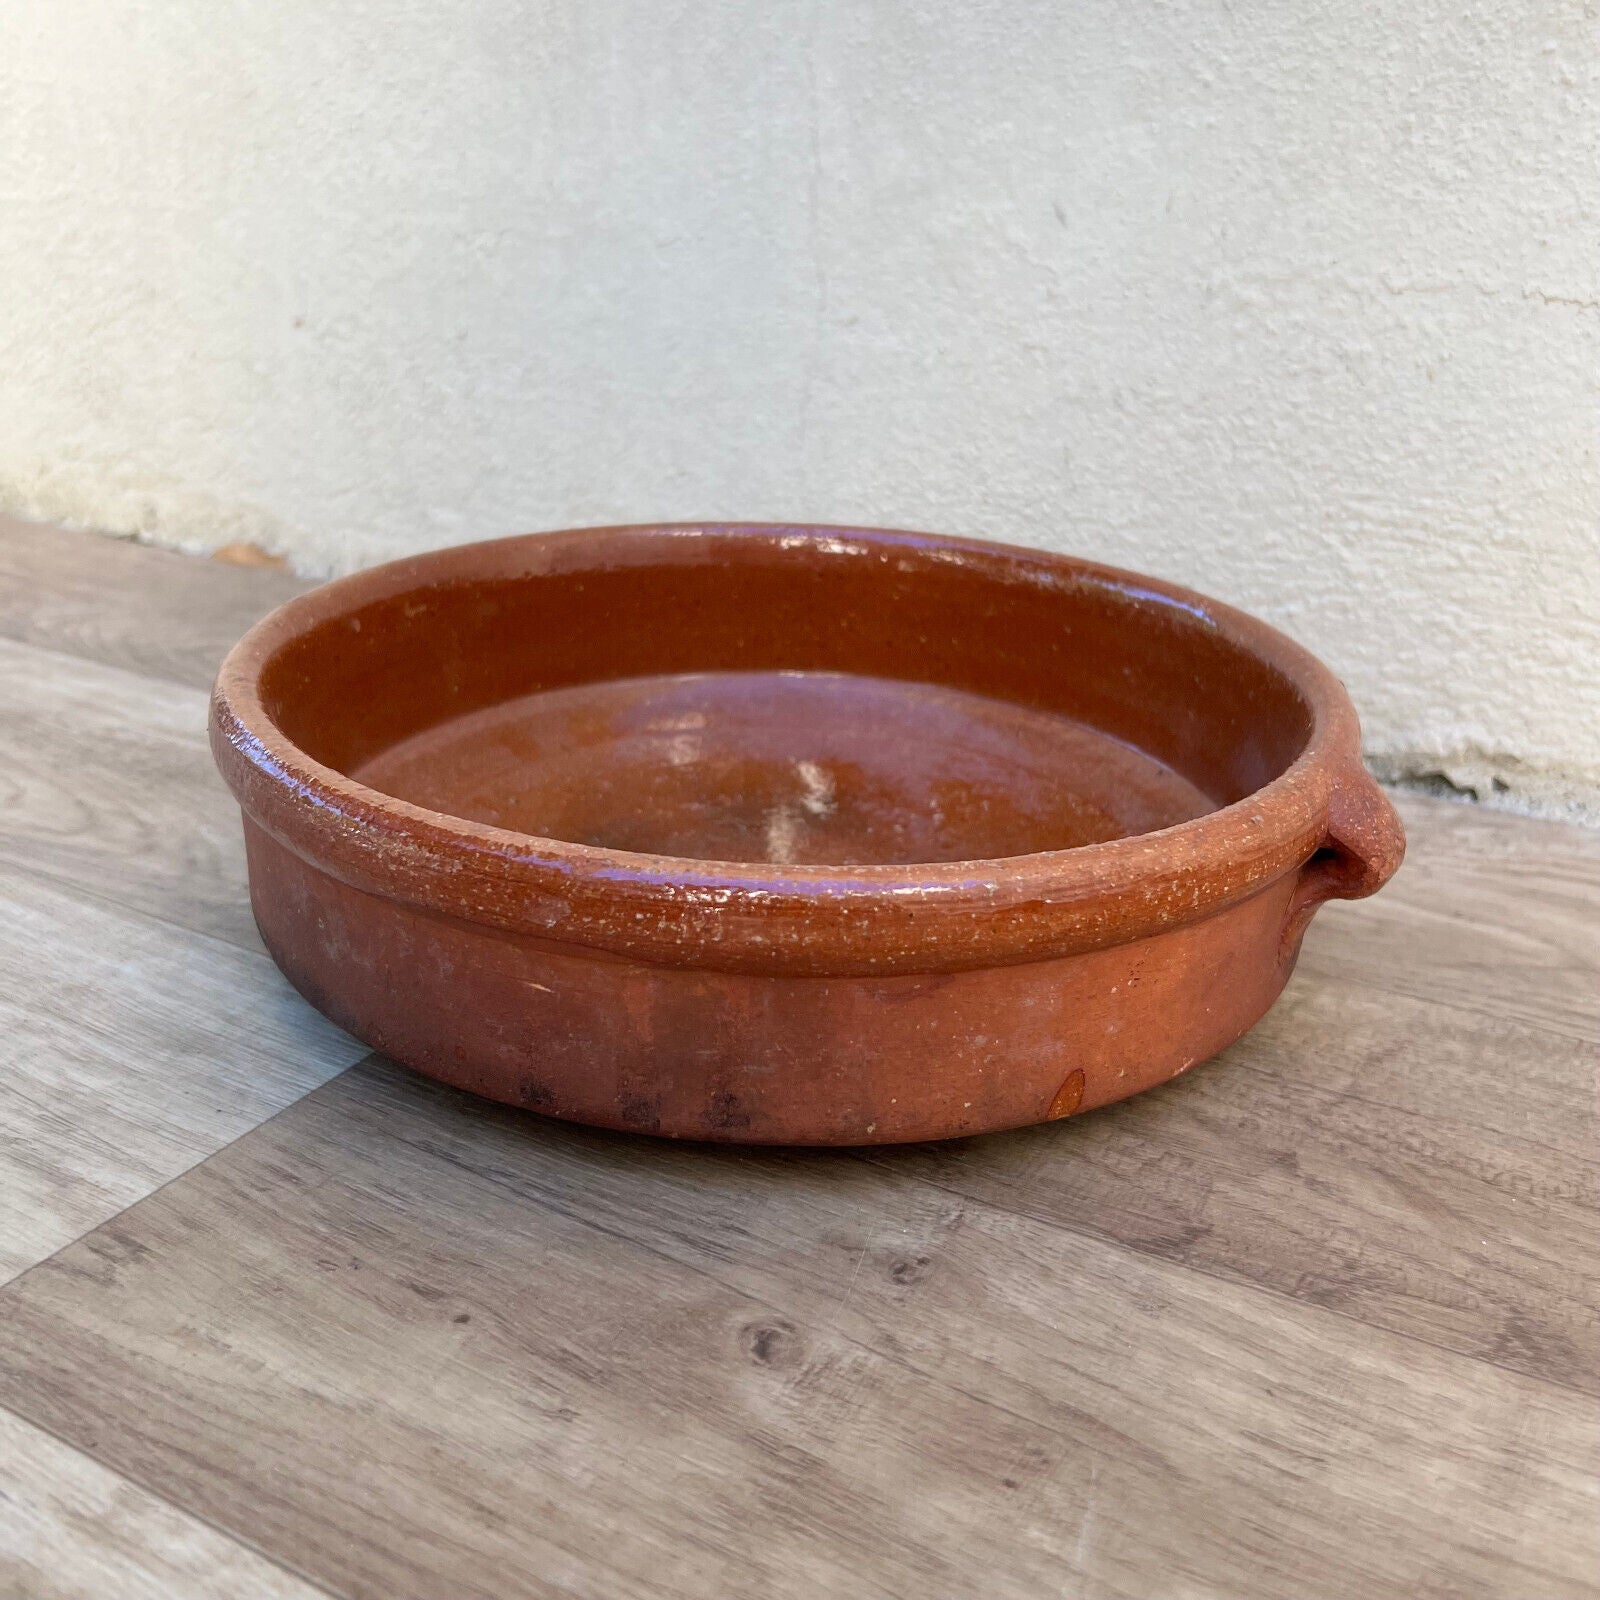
[784, 834]
[785, 768]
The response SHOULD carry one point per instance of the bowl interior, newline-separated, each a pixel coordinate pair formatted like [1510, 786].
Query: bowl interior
[793, 767]
[765, 700]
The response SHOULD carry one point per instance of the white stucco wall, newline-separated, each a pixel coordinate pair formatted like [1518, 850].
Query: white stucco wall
[1296, 302]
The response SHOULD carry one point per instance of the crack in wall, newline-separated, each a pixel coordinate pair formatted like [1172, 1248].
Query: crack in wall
[1477, 776]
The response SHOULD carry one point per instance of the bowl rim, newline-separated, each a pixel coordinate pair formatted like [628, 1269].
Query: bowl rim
[757, 916]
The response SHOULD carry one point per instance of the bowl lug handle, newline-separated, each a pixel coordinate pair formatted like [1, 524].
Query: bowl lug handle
[1363, 844]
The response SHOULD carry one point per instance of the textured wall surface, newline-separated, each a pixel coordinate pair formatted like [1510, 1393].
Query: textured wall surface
[1299, 303]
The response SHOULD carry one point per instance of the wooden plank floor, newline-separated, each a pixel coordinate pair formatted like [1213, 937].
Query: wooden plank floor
[1317, 1320]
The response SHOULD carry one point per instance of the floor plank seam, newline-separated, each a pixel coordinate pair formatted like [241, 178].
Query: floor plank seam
[1573, 1033]
[756, 1302]
[1334, 1096]
[110, 901]
[244, 1543]
[1309, 1309]
[12, 1285]
[631, 1241]
[1306, 1310]
[136, 674]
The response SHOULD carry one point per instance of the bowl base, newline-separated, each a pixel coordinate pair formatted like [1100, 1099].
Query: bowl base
[786, 767]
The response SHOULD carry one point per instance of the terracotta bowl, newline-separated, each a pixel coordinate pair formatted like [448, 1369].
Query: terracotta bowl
[789, 835]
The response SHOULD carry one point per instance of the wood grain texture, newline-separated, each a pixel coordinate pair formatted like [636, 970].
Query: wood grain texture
[129, 1050]
[107, 787]
[430, 1347]
[71, 1530]
[150, 611]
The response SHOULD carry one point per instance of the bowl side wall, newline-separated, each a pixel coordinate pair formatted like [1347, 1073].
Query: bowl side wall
[752, 1058]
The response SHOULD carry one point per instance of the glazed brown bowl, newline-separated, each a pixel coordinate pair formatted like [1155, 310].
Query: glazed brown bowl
[789, 835]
